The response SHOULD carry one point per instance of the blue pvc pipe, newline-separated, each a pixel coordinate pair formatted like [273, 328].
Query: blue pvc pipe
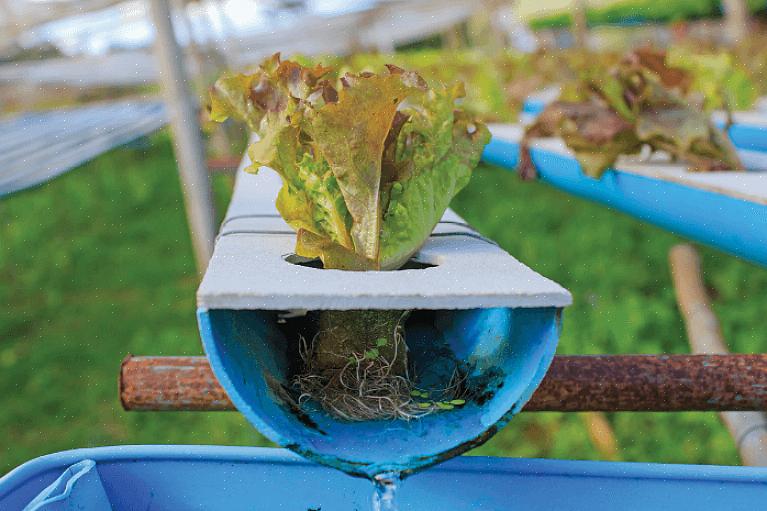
[505, 351]
[748, 137]
[174, 477]
[534, 106]
[736, 226]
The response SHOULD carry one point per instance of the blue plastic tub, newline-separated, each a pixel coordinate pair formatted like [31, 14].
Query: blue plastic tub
[165, 478]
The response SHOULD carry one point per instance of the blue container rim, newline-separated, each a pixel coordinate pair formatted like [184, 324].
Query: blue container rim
[520, 466]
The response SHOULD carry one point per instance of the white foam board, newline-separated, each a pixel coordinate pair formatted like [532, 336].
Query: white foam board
[249, 271]
[547, 95]
[507, 132]
[748, 117]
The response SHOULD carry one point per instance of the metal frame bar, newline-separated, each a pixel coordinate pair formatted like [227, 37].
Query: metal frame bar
[608, 383]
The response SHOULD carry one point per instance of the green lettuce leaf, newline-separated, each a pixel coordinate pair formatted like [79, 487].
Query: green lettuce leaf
[716, 76]
[438, 149]
[350, 134]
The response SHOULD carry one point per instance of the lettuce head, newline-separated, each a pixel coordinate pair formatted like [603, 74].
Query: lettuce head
[369, 162]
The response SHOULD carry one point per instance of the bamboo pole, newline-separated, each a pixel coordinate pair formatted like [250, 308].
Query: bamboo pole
[580, 24]
[187, 140]
[749, 429]
[601, 435]
[735, 20]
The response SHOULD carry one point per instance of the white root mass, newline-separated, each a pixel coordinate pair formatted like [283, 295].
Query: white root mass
[366, 388]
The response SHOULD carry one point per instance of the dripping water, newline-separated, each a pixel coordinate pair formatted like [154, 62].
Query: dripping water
[385, 490]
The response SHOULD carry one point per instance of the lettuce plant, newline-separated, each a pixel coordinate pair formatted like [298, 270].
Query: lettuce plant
[641, 101]
[718, 77]
[369, 163]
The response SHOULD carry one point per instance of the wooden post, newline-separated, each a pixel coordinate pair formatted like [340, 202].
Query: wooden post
[749, 429]
[601, 435]
[580, 24]
[187, 139]
[735, 20]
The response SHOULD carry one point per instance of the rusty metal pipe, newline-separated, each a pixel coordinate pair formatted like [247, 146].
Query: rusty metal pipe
[606, 383]
[170, 384]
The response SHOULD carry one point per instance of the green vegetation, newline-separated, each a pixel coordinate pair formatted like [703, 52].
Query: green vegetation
[640, 11]
[617, 271]
[98, 264]
[497, 84]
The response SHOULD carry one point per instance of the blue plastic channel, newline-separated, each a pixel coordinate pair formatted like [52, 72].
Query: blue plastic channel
[505, 353]
[173, 477]
[736, 226]
[502, 153]
[534, 106]
[747, 136]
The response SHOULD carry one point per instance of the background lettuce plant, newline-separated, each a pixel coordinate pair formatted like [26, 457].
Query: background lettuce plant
[641, 101]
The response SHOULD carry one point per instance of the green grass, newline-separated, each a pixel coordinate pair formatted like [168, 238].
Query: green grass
[98, 264]
[640, 11]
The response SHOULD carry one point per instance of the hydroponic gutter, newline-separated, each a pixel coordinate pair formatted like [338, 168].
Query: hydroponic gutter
[471, 304]
[727, 210]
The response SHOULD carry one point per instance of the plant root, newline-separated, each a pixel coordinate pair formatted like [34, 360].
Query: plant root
[367, 388]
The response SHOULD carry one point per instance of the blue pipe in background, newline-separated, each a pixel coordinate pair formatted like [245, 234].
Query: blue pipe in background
[733, 225]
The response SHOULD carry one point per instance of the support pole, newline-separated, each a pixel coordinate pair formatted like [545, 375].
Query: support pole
[192, 48]
[601, 435]
[749, 429]
[604, 383]
[187, 139]
[580, 24]
[735, 21]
